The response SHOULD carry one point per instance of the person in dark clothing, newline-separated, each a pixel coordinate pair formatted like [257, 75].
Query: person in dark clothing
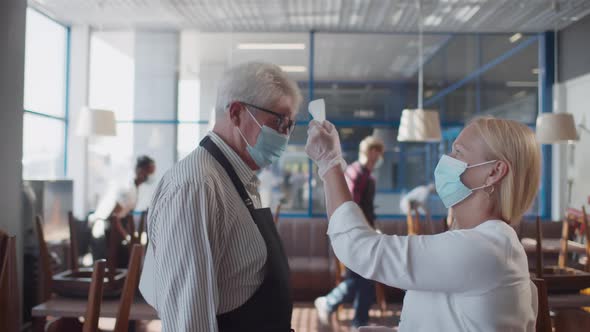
[362, 187]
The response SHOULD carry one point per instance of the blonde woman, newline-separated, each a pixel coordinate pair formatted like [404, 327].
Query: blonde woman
[474, 278]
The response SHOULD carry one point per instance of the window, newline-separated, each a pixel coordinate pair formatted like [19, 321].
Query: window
[44, 122]
[366, 79]
[285, 182]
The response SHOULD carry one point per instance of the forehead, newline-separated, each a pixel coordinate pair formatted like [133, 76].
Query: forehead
[285, 105]
[472, 143]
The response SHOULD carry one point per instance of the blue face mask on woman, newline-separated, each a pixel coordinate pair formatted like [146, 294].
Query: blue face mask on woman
[447, 178]
[269, 146]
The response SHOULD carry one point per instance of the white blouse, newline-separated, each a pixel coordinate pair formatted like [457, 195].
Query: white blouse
[463, 280]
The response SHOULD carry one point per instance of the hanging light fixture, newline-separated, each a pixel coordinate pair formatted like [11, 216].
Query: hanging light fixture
[419, 125]
[556, 127]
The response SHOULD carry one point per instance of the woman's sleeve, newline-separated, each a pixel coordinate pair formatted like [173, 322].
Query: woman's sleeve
[454, 261]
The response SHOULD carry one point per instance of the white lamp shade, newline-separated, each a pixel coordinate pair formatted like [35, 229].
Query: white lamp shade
[419, 126]
[94, 122]
[556, 128]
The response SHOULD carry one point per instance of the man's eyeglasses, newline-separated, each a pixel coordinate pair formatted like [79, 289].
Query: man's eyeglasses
[283, 124]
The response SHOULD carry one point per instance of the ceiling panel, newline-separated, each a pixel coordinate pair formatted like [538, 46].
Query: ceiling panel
[328, 15]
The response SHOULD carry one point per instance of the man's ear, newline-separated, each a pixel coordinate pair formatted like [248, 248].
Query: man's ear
[234, 111]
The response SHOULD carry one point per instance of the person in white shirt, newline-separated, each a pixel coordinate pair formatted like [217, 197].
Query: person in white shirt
[474, 278]
[214, 261]
[119, 200]
[417, 198]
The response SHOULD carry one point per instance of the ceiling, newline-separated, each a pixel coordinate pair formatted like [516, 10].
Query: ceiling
[341, 57]
[321, 15]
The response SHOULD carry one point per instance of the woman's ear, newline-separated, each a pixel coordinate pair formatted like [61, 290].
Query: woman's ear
[498, 172]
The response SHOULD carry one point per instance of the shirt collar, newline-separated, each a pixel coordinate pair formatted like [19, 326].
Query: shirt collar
[245, 173]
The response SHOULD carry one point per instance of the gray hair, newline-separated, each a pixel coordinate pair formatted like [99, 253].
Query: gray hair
[257, 83]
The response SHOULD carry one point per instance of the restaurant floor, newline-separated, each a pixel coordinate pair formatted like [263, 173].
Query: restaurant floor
[304, 320]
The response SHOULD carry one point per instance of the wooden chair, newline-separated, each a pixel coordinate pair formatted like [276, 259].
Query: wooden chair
[543, 316]
[413, 221]
[375, 329]
[73, 254]
[9, 293]
[572, 320]
[45, 271]
[586, 224]
[142, 224]
[539, 256]
[131, 284]
[45, 288]
[94, 297]
[277, 213]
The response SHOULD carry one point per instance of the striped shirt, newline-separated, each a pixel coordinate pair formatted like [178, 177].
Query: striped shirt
[205, 256]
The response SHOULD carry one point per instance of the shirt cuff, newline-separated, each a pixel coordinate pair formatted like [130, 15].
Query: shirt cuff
[346, 217]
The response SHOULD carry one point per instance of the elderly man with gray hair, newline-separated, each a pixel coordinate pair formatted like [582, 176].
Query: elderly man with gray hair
[215, 261]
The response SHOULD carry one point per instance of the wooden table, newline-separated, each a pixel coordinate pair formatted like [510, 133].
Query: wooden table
[74, 308]
[568, 301]
[552, 246]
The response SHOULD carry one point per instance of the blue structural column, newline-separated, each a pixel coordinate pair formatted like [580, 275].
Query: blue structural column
[478, 79]
[310, 94]
[546, 80]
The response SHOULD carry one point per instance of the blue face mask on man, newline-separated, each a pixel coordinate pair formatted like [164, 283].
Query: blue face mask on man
[269, 146]
[447, 178]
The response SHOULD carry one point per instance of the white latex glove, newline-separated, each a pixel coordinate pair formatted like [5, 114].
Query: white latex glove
[323, 146]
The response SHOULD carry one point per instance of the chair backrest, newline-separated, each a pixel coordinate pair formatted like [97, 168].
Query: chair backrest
[94, 297]
[565, 229]
[277, 213]
[113, 246]
[413, 219]
[130, 224]
[543, 317]
[73, 252]
[539, 249]
[45, 274]
[128, 293]
[375, 329]
[142, 223]
[9, 293]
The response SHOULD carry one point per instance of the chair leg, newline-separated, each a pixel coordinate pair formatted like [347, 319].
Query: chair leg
[380, 297]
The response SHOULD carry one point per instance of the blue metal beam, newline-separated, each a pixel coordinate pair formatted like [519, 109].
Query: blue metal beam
[546, 80]
[473, 75]
[49, 116]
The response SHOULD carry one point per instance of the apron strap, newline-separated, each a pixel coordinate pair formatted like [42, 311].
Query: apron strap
[214, 150]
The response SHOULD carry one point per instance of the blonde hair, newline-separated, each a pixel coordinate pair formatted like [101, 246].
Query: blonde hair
[514, 143]
[368, 143]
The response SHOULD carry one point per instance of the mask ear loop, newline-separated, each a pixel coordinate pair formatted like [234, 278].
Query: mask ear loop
[491, 191]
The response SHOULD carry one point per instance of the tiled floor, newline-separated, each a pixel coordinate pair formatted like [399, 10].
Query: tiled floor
[304, 320]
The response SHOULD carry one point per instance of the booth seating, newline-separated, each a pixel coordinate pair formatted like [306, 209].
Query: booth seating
[312, 261]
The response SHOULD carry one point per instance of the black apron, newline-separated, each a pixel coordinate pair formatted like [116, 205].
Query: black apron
[270, 308]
